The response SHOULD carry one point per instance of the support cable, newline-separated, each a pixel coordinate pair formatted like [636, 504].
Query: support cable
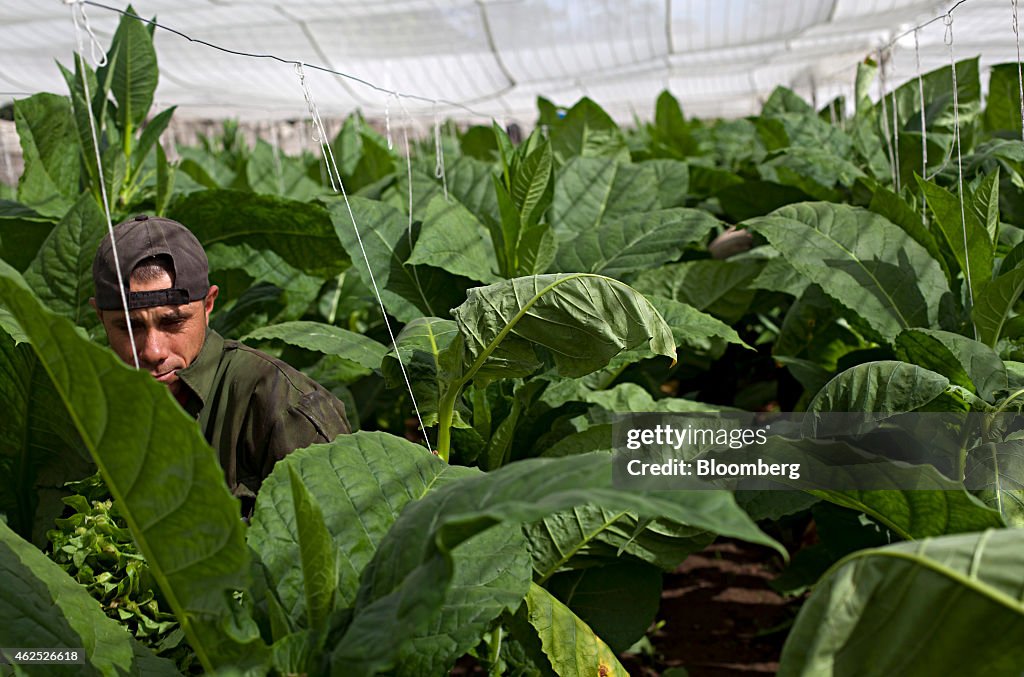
[339, 187]
[77, 11]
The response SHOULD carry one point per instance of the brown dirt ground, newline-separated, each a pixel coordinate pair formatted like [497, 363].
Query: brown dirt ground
[720, 616]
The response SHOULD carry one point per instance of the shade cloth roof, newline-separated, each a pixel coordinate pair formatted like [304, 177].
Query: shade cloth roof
[719, 57]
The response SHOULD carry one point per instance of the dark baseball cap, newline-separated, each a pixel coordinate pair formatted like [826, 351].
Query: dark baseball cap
[144, 237]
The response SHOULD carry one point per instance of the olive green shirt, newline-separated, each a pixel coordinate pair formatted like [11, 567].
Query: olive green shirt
[254, 409]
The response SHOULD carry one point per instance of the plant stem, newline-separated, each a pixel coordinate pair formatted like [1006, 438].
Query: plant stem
[495, 654]
[445, 416]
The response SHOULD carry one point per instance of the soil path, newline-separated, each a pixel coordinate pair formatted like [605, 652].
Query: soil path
[720, 616]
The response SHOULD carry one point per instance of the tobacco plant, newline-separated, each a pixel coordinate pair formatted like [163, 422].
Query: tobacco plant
[536, 290]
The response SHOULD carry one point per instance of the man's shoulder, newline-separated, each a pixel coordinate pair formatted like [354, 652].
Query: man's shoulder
[283, 391]
[251, 364]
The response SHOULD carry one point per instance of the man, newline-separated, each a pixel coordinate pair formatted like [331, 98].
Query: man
[252, 408]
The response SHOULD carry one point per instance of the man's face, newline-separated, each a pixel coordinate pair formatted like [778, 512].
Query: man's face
[167, 338]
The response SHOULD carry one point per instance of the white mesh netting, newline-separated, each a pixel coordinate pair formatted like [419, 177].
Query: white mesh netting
[719, 57]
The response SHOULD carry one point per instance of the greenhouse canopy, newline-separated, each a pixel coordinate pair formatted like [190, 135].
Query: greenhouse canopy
[476, 59]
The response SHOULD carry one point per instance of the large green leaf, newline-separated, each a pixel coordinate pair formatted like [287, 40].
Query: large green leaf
[272, 172]
[420, 344]
[813, 339]
[587, 534]
[938, 98]
[43, 606]
[636, 242]
[408, 291]
[817, 171]
[721, 288]
[1002, 107]
[76, 85]
[617, 600]
[299, 232]
[864, 262]
[672, 178]
[880, 389]
[163, 475]
[490, 577]
[691, 327]
[969, 241]
[569, 643]
[61, 273]
[995, 472]
[361, 482]
[469, 182]
[403, 587]
[589, 191]
[326, 339]
[885, 202]
[22, 233]
[39, 451]
[912, 501]
[968, 363]
[992, 307]
[523, 243]
[582, 320]
[377, 162]
[238, 268]
[149, 138]
[134, 76]
[630, 398]
[454, 240]
[49, 145]
[949, 605]
[671, 136]
[317, 557]
[587, 131]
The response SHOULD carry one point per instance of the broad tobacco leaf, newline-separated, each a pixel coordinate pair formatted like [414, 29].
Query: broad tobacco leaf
[39, 450]
[388, 237]
[583, 321]
[299, 232]
[621, 247]
[569, 643]
[165, 478]
[402, 589]
[326, 339]
[61, 273]
[870, 266]
[49, 144]
[919, 608]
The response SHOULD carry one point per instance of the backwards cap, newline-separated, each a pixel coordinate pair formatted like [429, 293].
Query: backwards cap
[141, 238]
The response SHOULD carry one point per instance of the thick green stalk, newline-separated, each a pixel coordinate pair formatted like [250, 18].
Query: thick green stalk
[445, 416]
[495, 653]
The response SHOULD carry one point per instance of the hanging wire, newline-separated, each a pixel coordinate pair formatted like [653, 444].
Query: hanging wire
[325, 149]
[387, 120]
[77, 10]
[439, 155]
[1020, 77]
[920, 95]
[959, 164]
[885, 121]
[408, 178]
[895, 131]
[291, 62]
